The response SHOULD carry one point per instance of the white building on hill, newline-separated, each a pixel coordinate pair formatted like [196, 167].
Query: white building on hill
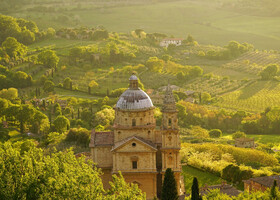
[167, 41]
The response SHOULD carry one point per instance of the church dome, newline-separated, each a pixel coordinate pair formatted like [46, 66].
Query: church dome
[134, 98]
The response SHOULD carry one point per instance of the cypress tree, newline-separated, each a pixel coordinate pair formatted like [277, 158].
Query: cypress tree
[195, 190]
[273, 190]
[169, 188]
[44, 104]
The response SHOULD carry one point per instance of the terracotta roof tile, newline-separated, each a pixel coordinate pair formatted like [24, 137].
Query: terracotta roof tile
[224, 188]
[101, 139]
[244, 139]
[265, 180]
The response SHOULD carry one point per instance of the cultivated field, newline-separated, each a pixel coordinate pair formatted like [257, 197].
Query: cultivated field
[254, 98]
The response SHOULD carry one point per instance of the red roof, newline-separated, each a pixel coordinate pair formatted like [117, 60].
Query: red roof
[101, 139]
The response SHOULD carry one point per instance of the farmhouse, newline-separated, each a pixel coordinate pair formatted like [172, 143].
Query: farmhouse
[167, 41]
[245, 142]
[260, 183]
[136, 147]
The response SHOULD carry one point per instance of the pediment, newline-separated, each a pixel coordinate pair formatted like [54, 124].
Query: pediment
[134, 144]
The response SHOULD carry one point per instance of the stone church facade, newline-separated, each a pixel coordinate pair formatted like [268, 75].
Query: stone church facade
[136, 147]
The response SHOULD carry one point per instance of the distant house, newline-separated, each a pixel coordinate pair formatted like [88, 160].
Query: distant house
[224, 188]
[167, 41]
[245, 142]
[260, 183]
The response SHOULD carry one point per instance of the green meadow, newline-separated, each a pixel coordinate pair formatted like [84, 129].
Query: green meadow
[203, 178]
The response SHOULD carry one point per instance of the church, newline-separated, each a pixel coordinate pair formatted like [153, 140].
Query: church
[136, 147]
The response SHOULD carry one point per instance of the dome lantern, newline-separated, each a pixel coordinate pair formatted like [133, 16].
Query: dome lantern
[133, 82]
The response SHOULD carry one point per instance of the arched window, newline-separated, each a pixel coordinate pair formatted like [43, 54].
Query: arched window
[133, 122]
[170, 160]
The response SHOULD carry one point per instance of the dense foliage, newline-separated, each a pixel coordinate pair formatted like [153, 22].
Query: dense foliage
[26, 173]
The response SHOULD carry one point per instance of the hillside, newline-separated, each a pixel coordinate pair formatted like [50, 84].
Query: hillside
[210, 22]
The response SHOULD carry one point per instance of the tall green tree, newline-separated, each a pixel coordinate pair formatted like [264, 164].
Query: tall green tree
[195, 190]
[169, 188]
[67, 83]
[3, 105]
[48, 58]
[61, 124]
[14, 48]
[269, 72]
[274, 193]
[48, 86]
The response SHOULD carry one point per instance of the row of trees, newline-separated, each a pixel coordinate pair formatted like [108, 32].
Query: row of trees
[114, 52]
[98, 33]
[232, 50]
[184, 73]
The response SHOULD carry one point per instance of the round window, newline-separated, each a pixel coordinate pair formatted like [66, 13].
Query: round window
[134, 144]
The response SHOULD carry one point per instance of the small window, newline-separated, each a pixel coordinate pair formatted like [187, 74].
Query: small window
[119, 132]
[169, 122]
[133, 144]
[149, 132]
[134, 164]
[133, 122]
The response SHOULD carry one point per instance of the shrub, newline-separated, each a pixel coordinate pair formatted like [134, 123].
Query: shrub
[79, 135]
[215, 133]
[234, 174]
[238, 134]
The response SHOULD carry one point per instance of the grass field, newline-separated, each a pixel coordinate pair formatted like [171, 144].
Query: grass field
[208, 23]
[254, 98]
[203, 178]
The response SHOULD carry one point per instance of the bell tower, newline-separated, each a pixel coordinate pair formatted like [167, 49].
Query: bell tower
[170, 136]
